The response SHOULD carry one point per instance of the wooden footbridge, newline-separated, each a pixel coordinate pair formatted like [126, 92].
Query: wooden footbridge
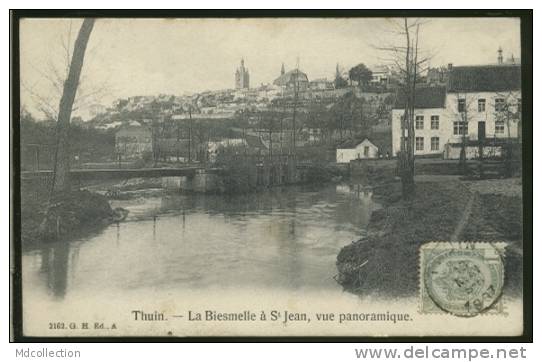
[107, 174]
[264, 171]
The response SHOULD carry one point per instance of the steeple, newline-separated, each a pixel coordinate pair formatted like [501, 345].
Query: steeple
[337, 72]
[282, 71]
[242, 77]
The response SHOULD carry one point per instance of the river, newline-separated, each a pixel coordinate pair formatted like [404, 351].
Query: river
[283, 238]
[180, 255]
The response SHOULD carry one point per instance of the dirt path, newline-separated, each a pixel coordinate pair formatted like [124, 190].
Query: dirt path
[463, 220]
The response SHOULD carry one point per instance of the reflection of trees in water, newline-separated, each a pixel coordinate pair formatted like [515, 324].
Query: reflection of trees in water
[288, 250]
[262, 203]
[55, 261]
[357, 204]
[117, 227]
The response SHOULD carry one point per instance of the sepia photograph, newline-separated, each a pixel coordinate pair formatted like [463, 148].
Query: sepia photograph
[278, 175]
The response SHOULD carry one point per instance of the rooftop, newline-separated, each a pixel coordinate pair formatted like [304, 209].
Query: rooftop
[485, 78]
[291, 76]
[353, 143]
[380, 69]
[426, 97]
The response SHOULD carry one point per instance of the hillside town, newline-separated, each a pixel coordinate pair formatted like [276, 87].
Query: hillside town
[356, 115]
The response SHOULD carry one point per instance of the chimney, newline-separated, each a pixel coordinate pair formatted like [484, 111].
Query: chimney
[499, 58]
[450, 66]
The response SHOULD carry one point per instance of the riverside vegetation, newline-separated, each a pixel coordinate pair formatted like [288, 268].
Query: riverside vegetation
[386, 261]
[45, 218]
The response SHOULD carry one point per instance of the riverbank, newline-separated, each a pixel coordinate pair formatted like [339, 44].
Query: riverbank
[66, 215]
[386, 261]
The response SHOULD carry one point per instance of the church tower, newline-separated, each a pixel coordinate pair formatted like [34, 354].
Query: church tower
[242, 77]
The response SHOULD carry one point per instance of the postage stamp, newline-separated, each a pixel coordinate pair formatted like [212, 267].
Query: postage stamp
[463, 279]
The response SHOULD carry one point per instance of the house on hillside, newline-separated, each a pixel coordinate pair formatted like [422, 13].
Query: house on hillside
[438, 76]
[132, 141]
[381, 75]
[481, 104]
[321, 84]
[351, 150]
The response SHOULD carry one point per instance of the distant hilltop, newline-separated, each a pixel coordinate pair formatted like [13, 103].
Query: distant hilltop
[289, 85]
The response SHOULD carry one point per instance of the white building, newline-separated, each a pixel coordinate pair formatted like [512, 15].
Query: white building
[431, 127]
[351, 151]
[484, 102]
[381, 74]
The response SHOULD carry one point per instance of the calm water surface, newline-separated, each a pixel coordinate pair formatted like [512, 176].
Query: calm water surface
[283, 239]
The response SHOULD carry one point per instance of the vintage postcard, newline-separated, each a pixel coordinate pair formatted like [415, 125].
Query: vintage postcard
[270, 177]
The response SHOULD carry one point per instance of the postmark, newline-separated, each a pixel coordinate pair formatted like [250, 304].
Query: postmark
[464, 279]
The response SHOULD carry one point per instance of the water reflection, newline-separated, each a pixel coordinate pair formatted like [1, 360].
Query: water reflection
[285, 239]
[55, 260]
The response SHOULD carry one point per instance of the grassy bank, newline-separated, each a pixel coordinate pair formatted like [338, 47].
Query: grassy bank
[65, 215]
[386, 262]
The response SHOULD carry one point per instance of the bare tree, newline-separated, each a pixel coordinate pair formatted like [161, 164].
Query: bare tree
[461, 127]
[507, 114]
[410, 64]
[270, 121]
[61, 181]
[54, 72]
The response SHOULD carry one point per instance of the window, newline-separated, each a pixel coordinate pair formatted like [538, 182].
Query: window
[419, 122]
[435, 122]
[499, 127]
[461, 128]
[461, 105]
[499, 104]
[366, 151]
[419, 143]
[481, 105]
[434, 143]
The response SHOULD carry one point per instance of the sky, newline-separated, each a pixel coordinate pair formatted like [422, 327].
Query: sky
[128, 57]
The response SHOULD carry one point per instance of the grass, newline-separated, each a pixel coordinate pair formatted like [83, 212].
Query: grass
[389, 254]
[66, 214]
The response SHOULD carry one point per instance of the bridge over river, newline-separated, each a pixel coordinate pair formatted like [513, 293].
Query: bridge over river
[190, 177]
[196, 178]
[120, 173]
